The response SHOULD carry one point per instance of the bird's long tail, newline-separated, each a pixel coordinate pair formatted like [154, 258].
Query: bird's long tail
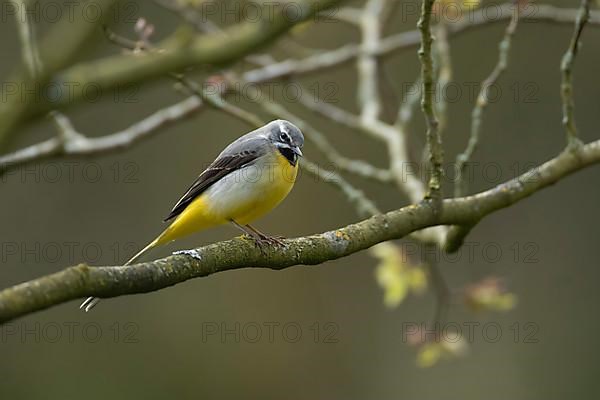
[91, 302]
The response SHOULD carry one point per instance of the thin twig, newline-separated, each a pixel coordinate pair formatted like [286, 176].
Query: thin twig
[457, 234]
[410, 100]
[443, 71]
[482, 103]
[402, 172]
[30, 53]
[367, 65]
[215, 100]
[202, 24]
[365, 207]
[79, 145]
[434, 142]
[405, 41]
[567, 76]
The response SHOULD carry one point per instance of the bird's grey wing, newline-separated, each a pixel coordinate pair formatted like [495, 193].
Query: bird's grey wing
[234, 157]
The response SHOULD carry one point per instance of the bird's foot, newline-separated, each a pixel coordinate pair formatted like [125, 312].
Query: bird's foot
[275, 241]
[263, 241]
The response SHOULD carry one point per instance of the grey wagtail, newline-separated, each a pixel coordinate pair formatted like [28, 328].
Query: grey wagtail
[247, 180]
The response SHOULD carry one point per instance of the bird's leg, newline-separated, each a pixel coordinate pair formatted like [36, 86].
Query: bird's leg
[257, 240]
[260, 239]
[247, 231]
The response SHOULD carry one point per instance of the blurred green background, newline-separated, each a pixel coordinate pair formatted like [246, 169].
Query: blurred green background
[174, 343]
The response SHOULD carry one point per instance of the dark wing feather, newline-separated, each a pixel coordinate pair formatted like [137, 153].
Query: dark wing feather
[223, 165]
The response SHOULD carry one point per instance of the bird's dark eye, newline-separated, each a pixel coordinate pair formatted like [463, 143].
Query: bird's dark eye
[284, 137]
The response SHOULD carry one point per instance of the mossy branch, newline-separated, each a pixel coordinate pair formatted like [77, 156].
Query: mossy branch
[81, 280]
[186, 49]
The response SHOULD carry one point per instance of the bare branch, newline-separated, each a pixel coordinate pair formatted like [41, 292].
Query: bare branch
[57, 49]
[31, 56]
[443, 71]
[364, 206]
[81, 146]
[482, 102]
[181, 51]
[405, 41]
[567, 75]
[434, 142]
[368, 92]
[356, 167]
[457, 234]
[215, 100]
[202, 24]
[407, 106]
[406, 180]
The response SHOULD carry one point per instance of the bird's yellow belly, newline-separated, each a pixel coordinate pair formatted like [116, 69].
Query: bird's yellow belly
[267, 188]
[271, 194]
[243, 196]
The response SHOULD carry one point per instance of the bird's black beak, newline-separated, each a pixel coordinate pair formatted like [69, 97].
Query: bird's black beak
[297, 151]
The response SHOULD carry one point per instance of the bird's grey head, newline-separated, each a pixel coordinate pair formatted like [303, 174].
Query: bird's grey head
[287, 138]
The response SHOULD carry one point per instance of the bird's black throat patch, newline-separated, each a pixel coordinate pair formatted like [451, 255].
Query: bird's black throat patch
[289, 155]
